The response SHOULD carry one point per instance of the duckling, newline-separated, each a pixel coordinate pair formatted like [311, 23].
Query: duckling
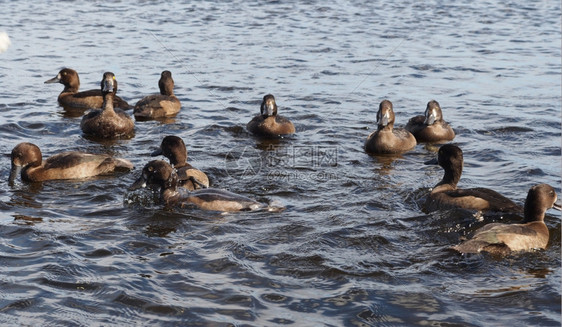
[268, 123]
[174, 149]
[70, 97]
[108, 123]
[160, 174]
[532, 234]
[431, 127]
[27, 158]
[387, 139]
[446, 194]
[165, 104]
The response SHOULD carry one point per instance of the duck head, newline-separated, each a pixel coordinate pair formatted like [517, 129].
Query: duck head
[385, 115]
[174, 149]
[268, 106]
[539, 199]
[108, 83]
[450, 158]
[433, 113]
[156, 173]
[24, 155]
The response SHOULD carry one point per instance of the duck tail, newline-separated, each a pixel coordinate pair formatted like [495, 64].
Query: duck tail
[123, 164]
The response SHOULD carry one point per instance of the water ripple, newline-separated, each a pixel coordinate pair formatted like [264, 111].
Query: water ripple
[353, 246]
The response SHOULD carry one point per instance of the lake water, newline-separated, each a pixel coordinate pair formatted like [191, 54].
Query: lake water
[352, 247]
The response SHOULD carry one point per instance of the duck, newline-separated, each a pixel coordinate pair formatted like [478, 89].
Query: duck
[27, 159]
[108, 122]
[70, 97]
[387, 139]
[268, 123]
[174, 149]
[531, 234]
[446, 195]
[165, 104]
[160, 174]
[430, 128]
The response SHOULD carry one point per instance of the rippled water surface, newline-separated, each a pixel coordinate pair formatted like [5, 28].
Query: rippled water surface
[352, 247]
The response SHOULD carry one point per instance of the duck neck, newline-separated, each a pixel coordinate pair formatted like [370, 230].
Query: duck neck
[533, 212]
[26, 173]
[178, 165]
[178, 161]
[451, 178]
[71, 87]
[167, 90]
[387, 127]
[108, 102]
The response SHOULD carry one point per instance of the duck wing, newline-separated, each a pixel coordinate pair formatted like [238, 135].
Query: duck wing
[496, 201]
[502, 238]
[71, 159]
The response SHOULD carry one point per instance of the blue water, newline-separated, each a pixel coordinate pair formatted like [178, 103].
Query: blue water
[353, 247]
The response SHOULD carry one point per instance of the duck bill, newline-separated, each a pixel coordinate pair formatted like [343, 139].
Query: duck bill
[156, 152]
[139, 183]
[383, 119]
[14, 172]
[55, 79]
[107, 85]
[269, 109]
[557, 205]
[429, 120]
[433, 161]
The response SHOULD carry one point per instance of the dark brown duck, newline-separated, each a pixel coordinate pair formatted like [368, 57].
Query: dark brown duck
[268, 123]
[431, 127]
[165, 104]
[109, 122]
[447, 195]
[532, 234]
[387, 139]
[160, 174]
[70, 97]
[27, 158]
[189, 177]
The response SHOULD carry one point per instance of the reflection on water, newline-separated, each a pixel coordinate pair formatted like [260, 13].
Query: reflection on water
[72, 112]
[384, 163]
[416, 301]
[352, 247]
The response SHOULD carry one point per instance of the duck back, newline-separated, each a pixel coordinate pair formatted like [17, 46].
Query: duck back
[394, 141]
[157, 106]
[108, 125]
[272, 126]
